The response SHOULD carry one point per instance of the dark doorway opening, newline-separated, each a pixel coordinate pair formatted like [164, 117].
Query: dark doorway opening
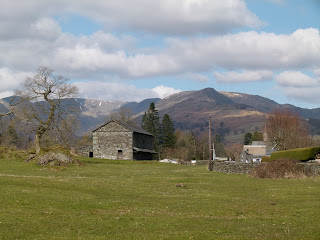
[91, 154]
[120, 155]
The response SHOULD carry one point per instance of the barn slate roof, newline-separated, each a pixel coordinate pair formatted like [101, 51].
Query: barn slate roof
[144, 150]
[129, 127]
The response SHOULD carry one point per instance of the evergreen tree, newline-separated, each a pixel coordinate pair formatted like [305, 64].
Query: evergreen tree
[168, 137]
[257, 136]
[218, 146]
[247, 138]
[151, 123]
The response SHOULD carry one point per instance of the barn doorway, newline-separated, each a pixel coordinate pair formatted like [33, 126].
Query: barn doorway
[91, 154]
[120, 155]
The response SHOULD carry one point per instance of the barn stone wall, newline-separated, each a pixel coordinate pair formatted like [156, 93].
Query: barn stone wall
[110, 139]
[83, 151]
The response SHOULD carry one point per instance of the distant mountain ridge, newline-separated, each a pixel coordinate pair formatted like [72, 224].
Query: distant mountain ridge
[233, 114]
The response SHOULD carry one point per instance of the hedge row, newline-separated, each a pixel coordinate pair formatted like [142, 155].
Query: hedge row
[302, 154]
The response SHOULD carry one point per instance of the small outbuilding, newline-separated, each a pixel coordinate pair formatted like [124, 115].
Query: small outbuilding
[117, 140]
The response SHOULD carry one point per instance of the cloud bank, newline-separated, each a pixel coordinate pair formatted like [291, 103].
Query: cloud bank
[158, 17]
[197, 37]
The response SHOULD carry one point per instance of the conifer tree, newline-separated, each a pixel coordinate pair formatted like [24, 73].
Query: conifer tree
[257, 136]
[218, 145]
[151, 123]
[247, 138]
[168, 137]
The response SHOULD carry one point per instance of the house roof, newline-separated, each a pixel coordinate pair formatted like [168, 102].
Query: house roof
[127, 126]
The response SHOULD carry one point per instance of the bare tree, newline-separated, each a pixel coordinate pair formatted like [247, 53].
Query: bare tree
[44, 93]
[234, 151]
[14, 101]
[64, 133]
[285, 130]
[124, 115]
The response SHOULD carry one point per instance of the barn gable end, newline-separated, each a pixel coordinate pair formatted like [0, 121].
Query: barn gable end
[112, 141]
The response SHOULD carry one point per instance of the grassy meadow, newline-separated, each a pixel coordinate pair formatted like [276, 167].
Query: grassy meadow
[106, 199]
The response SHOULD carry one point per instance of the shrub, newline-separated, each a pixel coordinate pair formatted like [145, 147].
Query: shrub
[302, 154]
[282, 168]
[266, 159]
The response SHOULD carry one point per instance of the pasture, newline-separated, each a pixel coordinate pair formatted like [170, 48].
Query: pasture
[105, 199]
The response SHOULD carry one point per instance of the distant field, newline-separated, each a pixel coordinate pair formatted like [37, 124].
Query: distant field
[138, 200]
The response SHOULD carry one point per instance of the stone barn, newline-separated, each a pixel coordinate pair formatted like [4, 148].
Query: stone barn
[117, 140]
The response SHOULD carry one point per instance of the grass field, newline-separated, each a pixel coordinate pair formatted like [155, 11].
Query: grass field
[139, 200]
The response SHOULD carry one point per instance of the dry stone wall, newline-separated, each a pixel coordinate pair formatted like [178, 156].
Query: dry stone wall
[83, 151]
[234, 167]
[310, 169]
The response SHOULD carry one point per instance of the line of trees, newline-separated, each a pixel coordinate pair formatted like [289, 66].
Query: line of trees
[249, 137]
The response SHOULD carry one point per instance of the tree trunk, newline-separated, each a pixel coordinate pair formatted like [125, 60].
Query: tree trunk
[37, 143]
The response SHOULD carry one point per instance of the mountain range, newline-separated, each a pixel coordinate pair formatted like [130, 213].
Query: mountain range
[233, 114]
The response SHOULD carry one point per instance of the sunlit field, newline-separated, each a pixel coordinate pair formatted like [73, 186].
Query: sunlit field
[105, 199]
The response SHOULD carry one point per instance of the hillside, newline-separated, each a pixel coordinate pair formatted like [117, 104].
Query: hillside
[191, 110]
[257, 102]
[138, 107]
[233, 114]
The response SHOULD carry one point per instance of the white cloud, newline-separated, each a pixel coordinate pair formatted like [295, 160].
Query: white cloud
[163, 91]
[6, 94]
[296, 79]
[45, 28]
[244, 76]
[121, 91]
[299, 86]
[164, 17]
[317, 72]
[104, 54]
[309, 95]
[249, 50]
[10, 80]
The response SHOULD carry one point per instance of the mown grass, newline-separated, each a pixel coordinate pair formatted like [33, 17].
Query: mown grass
[138, 200]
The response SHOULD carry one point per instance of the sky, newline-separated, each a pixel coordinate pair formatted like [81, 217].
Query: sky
[130, 50]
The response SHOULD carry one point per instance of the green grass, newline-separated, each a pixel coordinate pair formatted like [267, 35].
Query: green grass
[138, 200]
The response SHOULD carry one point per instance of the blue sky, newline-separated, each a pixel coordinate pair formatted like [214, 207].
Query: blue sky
[130, 50]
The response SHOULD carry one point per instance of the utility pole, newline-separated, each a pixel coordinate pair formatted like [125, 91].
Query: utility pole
[210, 146]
